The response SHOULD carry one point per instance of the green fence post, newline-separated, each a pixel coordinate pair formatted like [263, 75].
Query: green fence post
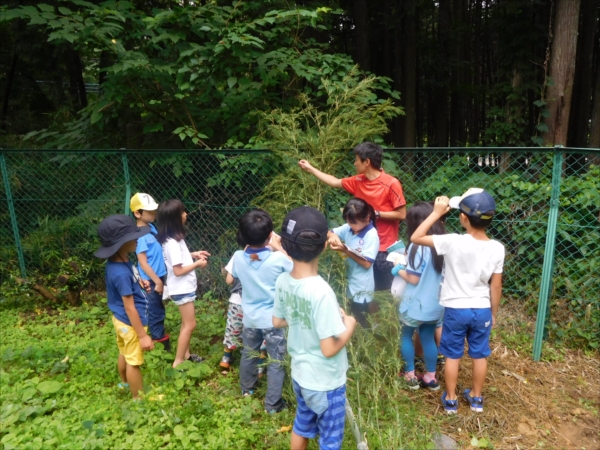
[13, 216]
[127, 185]
[548, 266]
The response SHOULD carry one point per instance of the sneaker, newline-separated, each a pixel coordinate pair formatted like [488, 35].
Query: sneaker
[451, 406]
[247, 393]
[225, 362]
[283, 407]
[412, 383]
[433, 385]
[261, 371]
[441, 360]
[195, 358]
[476, 403]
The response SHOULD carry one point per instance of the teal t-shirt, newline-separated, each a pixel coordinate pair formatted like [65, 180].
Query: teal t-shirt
[312, 312]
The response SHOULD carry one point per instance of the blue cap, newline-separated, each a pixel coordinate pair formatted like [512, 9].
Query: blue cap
[475, 203]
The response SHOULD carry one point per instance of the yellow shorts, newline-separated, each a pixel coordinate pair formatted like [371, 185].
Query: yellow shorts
[128, 343]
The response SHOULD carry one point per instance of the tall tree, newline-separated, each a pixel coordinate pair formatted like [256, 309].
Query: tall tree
[562, 71]
[582, 93]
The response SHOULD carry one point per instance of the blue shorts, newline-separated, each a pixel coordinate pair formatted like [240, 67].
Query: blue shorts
[182, 299]
[475, 324]
[322, 413]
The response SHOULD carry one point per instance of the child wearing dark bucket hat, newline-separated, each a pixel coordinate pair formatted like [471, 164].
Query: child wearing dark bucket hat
[127, 302]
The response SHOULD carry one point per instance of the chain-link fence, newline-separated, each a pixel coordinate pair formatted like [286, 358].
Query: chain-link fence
[548, 206]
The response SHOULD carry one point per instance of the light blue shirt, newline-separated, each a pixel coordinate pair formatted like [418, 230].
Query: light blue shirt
[154, 253]
[258, 270]
[421, 301]
[361, 283]
[312, 312]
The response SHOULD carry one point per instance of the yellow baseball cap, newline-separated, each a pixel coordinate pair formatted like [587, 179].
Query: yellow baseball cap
[142, 201]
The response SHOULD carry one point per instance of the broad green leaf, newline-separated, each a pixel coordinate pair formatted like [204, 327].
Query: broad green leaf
[49, 387]
[231, 81]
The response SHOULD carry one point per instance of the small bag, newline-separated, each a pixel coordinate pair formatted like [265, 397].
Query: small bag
[398, 287]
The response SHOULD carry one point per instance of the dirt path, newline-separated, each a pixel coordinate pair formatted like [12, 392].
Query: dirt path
[530, 405]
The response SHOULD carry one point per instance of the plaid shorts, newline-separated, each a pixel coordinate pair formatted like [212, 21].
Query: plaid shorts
[234, 327]
[322, 413]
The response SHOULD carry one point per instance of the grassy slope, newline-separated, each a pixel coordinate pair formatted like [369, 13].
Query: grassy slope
[201, 408]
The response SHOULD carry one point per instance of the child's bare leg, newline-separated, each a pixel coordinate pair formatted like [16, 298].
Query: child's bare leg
[479, 373]
[451, 377]
[122, 368]
[188, 323]
[134, 378]
[298, 442]
[438, 336]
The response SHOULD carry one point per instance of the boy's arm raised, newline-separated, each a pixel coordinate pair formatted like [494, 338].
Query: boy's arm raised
[332, 345]
[495, 294]
[145, 341]
[329, 180]
[420, 236]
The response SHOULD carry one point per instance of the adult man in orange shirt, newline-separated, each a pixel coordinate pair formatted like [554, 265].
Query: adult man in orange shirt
[382, 191]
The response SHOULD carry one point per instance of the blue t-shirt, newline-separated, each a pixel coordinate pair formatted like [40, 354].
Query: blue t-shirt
[120, 282]
[154, 253]
[258, 269]
[361, 283]
[421, 301]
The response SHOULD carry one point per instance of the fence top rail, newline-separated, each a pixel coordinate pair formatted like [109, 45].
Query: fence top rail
[389, 149]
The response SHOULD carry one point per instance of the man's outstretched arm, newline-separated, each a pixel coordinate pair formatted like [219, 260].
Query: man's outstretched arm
[329, 180]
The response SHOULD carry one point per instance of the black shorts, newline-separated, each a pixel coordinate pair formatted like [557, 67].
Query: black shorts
[382, 272]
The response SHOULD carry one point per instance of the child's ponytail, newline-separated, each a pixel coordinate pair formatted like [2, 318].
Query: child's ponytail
[416, 215]
[358, 209]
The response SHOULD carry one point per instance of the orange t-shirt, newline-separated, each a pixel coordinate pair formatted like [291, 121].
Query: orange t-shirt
[384, 193]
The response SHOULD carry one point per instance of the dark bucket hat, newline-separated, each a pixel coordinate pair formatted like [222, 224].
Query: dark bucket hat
[116, 230]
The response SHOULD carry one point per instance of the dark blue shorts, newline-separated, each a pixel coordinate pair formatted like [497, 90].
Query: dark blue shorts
[322, 413]
[474, 324]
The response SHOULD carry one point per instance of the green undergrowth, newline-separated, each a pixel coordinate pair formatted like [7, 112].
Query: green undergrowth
[59, 387]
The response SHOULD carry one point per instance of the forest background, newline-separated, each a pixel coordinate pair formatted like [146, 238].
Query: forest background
[167, 74]
[152, 74]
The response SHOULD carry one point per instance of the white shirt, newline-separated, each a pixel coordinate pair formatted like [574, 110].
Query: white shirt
[468, 268]
[235, 296]
[176, 253]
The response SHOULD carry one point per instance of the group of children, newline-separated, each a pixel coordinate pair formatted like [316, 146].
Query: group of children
[453, 281]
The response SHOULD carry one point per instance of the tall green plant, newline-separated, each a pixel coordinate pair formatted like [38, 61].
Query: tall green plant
[322, 133]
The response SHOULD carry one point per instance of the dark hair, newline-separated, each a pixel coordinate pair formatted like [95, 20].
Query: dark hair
[371, 151]
[303, 252]
[170, 223]
[358, 209]
[478, 222]
[254, 227]
[415, 216]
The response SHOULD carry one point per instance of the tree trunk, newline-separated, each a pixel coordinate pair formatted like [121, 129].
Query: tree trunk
[9, 82]
[410, 74]
[562, 71]
[474, 127]
[582, 90]
[442, 76]
[595, 128]
[361, 22]
[76, 83]
[37, 288]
